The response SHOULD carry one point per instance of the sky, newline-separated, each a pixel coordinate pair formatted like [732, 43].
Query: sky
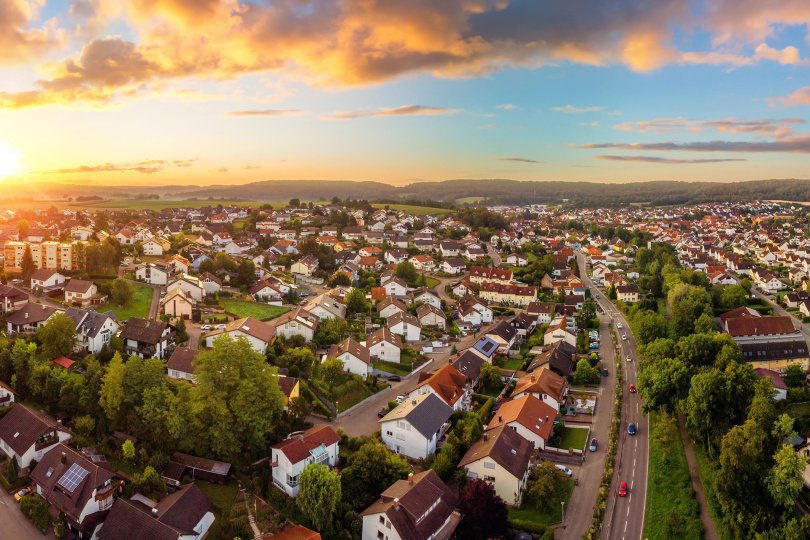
[204, 92]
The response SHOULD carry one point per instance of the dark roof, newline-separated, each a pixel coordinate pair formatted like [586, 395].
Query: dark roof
[28, 425]
[559, 356]
[470, 364]
[181, 359]
[143, 330]
[486, 345]
[775, 350]
[505, 447]
[426, 413]
[88, 321]
[287, 384]
[43, 274]
[78, 285]
[36, 313]
[202, 464]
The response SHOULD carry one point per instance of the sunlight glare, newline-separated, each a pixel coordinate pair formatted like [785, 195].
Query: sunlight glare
[9, 162]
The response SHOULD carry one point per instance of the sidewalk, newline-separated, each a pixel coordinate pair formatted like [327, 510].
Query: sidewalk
[705, 516]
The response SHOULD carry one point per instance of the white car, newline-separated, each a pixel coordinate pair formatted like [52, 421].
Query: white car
[401, 398]
[624, 337]
[565, 469]
[219, 327]
[619, 326]
[205, 327]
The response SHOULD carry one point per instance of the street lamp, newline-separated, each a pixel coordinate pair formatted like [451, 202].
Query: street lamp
[563, 510]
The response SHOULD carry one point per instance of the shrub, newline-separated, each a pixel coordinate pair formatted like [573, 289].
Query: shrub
[485, 409]
[11, 471]
[37, 510]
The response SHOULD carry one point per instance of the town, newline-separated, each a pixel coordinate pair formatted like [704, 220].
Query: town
[350, 369]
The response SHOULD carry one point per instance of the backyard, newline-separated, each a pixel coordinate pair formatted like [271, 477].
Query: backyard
[532, 514]
[137, 307]
[575, 438]
[222, 498]
[264, 312]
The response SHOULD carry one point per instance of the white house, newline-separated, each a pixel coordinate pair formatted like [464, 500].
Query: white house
[291, 456]
[384, 345]
[259, 334]
[395, 287]
[181, 364]
[211, 284]
[390, 305]
[27, 435]
[79, 291]
[427, 296]
[453, 266]
[191, 287]
[153, 247]
[45, 277]
[6, 395]
[355, 357]
[147, 338]
[297, 323]
[153, 274]
[414, 427]
[406, 325]
[501, 457]
[177, 304]
[93, 329]
[429, 315]
[529, 417]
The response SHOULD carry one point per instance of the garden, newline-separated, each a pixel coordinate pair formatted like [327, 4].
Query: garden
[263, 312]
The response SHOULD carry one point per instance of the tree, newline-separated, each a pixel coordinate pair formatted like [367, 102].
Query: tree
[122, 292]
[27, 266]
[785, 479]
[11, 471]
[37, 510]
[490, 376]
[649, 326]
[407, 272]
[794, 376]
[23, 227]
[733, 297]
[687, 303]
[664, 384]
[111, 396]
[299, 408]
[331, 369]
[664, 431]
[237, 398]
[182, 334]
[705, 325]
[483, 512]
[371, 469]
[340, 279]
[295, 202]
[356, 301]
[128, 449]
[58, 336]
[102, 222]
[330, 331]
[583, 374]
[318, 495]
[545, 483]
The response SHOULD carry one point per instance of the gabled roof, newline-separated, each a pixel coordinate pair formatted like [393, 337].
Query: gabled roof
[448, 383]
[503, 446]
[299, 447]
[426, 413]
[486, 346]
[253, 327]
[528, 411]
[469, 364]
[544, 381]
[22, 426]
[36, 314]
[759, 326]
[89, 321]
[349, 345]
[143, 330]
[181, 359]
[383, 334]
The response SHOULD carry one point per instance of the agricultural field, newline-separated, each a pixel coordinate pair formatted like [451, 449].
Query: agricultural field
[469, 200]
[416, 210]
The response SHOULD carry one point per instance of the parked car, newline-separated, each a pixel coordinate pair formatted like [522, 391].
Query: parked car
[205, 327]
[395, 378]
[22, 493]
[623, 489]
[632, 388]
[382, 412]
[565, 469]
[219, 327]
[593, 445]
[594, 346]
[401, 398]
[604, 372]
[631, 429]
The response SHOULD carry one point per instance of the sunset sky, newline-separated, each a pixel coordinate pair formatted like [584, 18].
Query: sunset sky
[228, 91]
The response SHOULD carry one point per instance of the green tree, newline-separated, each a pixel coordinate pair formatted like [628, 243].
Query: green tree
[785, 479]
[58, 336]
[122, 292]
[649, 326]
[301, 358]
[545, 483]
[27, 266]
[330, 331]
[295, 202]
[11, 471]
[237, 398]
[318, 495]
[23, 227]
[128, 450]
[356, 301]
[331, 369]
[37, 510]
[111, 396]
[794, 376]
[733, 297]
[583, 373]
[490, 376]
[705, 325]
[182, 333]
[299, 407]
[664, 384]
[407, 272]
[687, 303]
[371, 469]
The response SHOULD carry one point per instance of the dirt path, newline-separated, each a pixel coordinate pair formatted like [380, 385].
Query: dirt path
[705, 516]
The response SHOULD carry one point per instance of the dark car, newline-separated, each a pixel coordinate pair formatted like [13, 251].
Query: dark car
[631, 429]
[383, 412]
[395, 378]
[604, 372]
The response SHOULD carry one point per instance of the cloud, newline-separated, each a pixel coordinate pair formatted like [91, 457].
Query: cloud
[570, 109]
[507, 107]
[150, 166]
[788, 56]
[777, 128]
[252, 167]
[624, 127]
[797, 145]
[406, 110]
[592, 124]
[488, 126]
[264, 112]
[518, 159]
[650, 159]
[19, 41]
[219, 170]
[799, 97]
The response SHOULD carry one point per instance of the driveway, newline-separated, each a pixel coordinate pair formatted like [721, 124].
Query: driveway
[13, 524]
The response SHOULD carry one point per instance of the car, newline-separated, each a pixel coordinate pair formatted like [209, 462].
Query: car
[565, 469]
[219, 327]
[205, 327]
[623, 489]
[382, 412]
[629, 359]
[624, 337]
[619, 326]
[631, 429]
[401, 398]
[395, 378]
[593, 346]
[604, 372]
[593, 445]
[632, 388]
[22, 493]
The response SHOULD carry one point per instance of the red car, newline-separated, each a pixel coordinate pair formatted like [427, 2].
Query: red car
[623, 489]
[632, 388]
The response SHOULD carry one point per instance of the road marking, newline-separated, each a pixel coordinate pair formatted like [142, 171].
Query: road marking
[628, 511]
[634, 462]
[625, 525]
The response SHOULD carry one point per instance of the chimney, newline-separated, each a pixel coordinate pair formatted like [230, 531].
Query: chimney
[154, 513]
[413, 402]
[534, 378]
[396, 503]
[546, 418]
[63, 459]
[500, 418]
[486, 437]
[410, 478]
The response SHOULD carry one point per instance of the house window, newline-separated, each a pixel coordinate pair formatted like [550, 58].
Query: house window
[382, 520]
[488, 465]
[490, 479]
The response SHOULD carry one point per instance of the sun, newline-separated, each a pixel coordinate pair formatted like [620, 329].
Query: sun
[9, 162]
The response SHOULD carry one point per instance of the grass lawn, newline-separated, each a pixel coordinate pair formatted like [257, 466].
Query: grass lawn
[529, 512]
[392, 367]
[416, 210]
[137, 307]
[513, 363]
[431, 282]
[798, 410]
[469, 200]
[263, 312]
[574, 438]
[662, 306]
[353, 397]
[669, 488]
[223, 498]
[495, 392]
[706, 469]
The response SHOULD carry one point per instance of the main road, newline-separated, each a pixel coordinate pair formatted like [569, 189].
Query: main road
[624, 516]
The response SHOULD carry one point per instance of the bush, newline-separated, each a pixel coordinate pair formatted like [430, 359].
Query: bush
[37, 510]
[11, 471]
[544, 531]
[485, 409]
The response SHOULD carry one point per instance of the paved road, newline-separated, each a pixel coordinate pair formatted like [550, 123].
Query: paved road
[493, 254]
[624, 516]
[154, 307]
[13, 524]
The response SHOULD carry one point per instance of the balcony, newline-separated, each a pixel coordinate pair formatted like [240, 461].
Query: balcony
[46, 441]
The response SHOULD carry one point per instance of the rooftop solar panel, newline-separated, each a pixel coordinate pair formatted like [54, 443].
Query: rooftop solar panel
[72, 478]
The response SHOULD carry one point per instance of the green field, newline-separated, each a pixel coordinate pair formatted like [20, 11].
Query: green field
[662, 306]
[529, 512]
[392, 367]
[670, 499]
[574, 438]
[138, 306]
[263, 312]
[416, 210]
[431, 282]
[469, 200]
[513, 363]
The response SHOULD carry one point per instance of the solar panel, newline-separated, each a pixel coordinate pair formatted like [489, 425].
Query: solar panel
[72, 478]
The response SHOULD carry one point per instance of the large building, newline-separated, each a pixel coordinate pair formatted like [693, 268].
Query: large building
[49, 255]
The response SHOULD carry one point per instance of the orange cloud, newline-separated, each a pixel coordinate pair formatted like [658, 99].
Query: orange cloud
[19, 42]
[799, 97]
[660, 160]
[406, 110]
[150, 166]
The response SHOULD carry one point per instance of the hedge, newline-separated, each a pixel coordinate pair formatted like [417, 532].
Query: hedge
[545, 532]
[485, 409]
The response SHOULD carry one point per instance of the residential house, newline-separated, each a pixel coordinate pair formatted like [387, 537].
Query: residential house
[430, 315]
[181, 364]
[449, 384]
[78, 291]
[406, 325]
[516, 259]
[211, 284]
[177, 304]
[390, 305]
[27, 435]
[326, 307]
[79, 489]
[779, 385]
[545, 385]
[355, 356]
[531, 418]
[480, 274]
[186, 514]
[415, 426]
[419, 508]
[505, 335]
[395, 286]
[154, 247]
[190, 286]
[290, 387]
[154, 273]
[291, 456]
[512, 294]
[469, 364]
[627, 293]
[259, 334]
[11, 298]
[384, 345]
[560, 332]
[29, 317]
[474, 310]
[306, 266]
[543, 312]
[93, 329]
[147, 338]
[427, 296]
[45, 278]
[501, 457]
[423, 262]
[297, 323]
[486, 347]
[449, 248]
[453, 266]
[560, 357]
[6, 395]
